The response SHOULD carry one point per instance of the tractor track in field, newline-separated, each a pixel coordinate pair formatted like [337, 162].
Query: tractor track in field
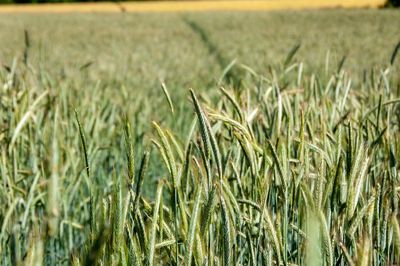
[232, 74]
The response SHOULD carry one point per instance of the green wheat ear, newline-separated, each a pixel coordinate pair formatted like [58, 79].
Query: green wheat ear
[83, 140]
[202, 124]
[130, 152]
[167, 96]
[166, 147]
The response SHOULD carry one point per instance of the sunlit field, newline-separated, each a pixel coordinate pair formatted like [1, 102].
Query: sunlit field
[200, 138]
[191, 6]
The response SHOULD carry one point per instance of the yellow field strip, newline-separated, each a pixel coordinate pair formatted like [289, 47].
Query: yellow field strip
[186, 6]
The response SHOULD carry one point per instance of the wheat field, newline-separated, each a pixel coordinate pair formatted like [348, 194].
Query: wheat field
[205, 138]
[192, 6]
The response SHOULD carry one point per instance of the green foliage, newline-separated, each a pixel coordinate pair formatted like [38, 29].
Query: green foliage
[393, 3]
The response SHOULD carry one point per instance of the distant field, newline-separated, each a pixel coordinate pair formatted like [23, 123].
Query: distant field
[200, 138]
[184, 6]
[138, 49]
